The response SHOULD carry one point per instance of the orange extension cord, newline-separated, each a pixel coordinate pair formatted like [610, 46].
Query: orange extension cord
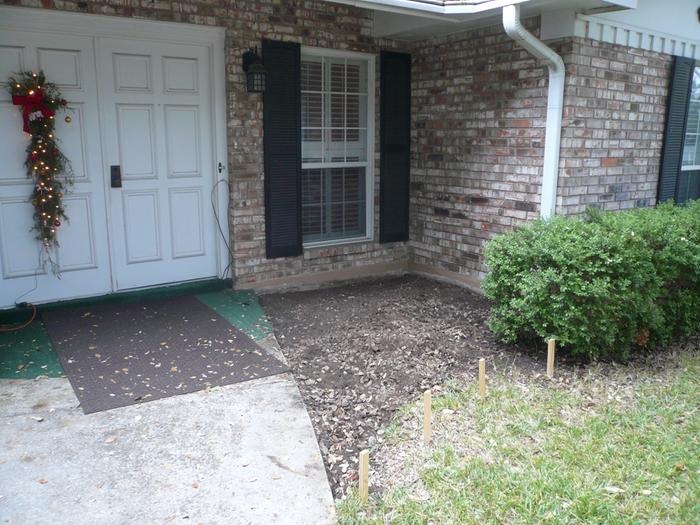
[21, 326]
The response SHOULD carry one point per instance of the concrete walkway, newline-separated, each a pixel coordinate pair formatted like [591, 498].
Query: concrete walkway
[239, 454]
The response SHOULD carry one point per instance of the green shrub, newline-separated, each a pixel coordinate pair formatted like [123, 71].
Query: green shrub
[602, 285]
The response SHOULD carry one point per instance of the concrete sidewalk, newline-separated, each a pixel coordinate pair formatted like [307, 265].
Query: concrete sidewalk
[238, 454]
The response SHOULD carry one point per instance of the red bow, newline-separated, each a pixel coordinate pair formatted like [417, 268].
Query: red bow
[30, 104]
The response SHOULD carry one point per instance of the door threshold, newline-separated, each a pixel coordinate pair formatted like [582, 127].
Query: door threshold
[148, 293]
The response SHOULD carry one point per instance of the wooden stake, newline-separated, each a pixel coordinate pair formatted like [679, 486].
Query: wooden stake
[482, 378]
[427, 412]
[551, 348]
[364, 475]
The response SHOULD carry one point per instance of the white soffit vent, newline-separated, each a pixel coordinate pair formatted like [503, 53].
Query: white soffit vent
[614, 32]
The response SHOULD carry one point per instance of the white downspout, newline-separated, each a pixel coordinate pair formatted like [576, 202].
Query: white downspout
[555, 104]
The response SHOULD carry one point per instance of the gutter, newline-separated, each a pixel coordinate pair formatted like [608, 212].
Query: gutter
[437, 11]
[442, 9]
[555, 104]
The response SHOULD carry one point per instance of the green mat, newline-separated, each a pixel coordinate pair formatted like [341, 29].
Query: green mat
[27, 354]
[241, 308]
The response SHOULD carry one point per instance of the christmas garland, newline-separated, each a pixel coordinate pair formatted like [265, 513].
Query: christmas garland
[48, 168]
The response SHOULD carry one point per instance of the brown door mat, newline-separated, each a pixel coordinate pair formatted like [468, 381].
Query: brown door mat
[120, 354]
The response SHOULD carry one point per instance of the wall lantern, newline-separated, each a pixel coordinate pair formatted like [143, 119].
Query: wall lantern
[254, 71]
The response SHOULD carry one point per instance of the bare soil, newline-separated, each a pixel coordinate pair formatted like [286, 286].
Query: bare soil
[362, 351]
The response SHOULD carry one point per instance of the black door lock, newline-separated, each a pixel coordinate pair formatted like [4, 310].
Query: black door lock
[115, 175]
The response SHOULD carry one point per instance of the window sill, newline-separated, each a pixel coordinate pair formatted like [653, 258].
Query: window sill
[336, 242]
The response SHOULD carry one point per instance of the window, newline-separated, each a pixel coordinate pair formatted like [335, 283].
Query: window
[337, 156]
[691, 145]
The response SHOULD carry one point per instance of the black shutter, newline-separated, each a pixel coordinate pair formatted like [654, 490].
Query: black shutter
[282, 143]
[674, 134]
[395, 146]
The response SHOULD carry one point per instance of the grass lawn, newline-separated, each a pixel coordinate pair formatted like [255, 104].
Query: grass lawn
[608, 444]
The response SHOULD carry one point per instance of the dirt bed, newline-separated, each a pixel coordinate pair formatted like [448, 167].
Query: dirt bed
[360, 352]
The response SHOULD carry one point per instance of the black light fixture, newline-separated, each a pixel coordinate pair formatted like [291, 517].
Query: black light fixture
[254, 71]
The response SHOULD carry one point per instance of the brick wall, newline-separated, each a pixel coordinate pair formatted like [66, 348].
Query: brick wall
[479, 110]
[309, 22]
[614, 114]
[479, 106]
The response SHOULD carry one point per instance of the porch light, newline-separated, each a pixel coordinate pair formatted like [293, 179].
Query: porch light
[254, 71]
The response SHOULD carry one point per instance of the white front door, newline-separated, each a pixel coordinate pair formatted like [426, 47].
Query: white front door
[137, 102]
[157, 132]
[83, 255]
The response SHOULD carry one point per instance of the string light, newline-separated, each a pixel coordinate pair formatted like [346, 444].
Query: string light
[39, 100]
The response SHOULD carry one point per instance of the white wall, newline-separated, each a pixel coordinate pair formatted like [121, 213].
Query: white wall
[674, 17]
[665, 26]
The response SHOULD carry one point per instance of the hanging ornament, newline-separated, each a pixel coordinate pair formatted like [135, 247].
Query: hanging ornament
[50, 170]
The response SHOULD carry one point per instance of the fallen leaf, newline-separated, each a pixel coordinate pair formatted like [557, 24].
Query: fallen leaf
[614, 490]
[43, 481]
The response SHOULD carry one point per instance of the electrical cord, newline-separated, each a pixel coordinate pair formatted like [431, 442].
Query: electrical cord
[218, 224]
[24, 304]
[4, 329]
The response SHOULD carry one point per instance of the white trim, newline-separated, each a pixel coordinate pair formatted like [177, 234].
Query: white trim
[370, 162]
[335, 53]
[103, 162]
[427, 10]
[220, 153]
[692, 167]
[326, 165]
[336, 242]
[613, 32]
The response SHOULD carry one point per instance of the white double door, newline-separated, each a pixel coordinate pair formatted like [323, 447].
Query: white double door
[138, 109]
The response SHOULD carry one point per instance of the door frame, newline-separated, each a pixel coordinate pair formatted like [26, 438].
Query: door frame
[211, 37]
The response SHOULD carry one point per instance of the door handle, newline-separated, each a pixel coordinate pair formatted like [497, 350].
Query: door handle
[115, 176]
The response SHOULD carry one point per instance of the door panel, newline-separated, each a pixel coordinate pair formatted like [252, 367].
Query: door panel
[182, 141]
[12, 145]
[83, 255]
[187, 232]
[141, 226]
[156, 123]
[136, 141]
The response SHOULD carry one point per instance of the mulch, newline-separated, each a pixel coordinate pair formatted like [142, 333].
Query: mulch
[362, 351]
[119, 354]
